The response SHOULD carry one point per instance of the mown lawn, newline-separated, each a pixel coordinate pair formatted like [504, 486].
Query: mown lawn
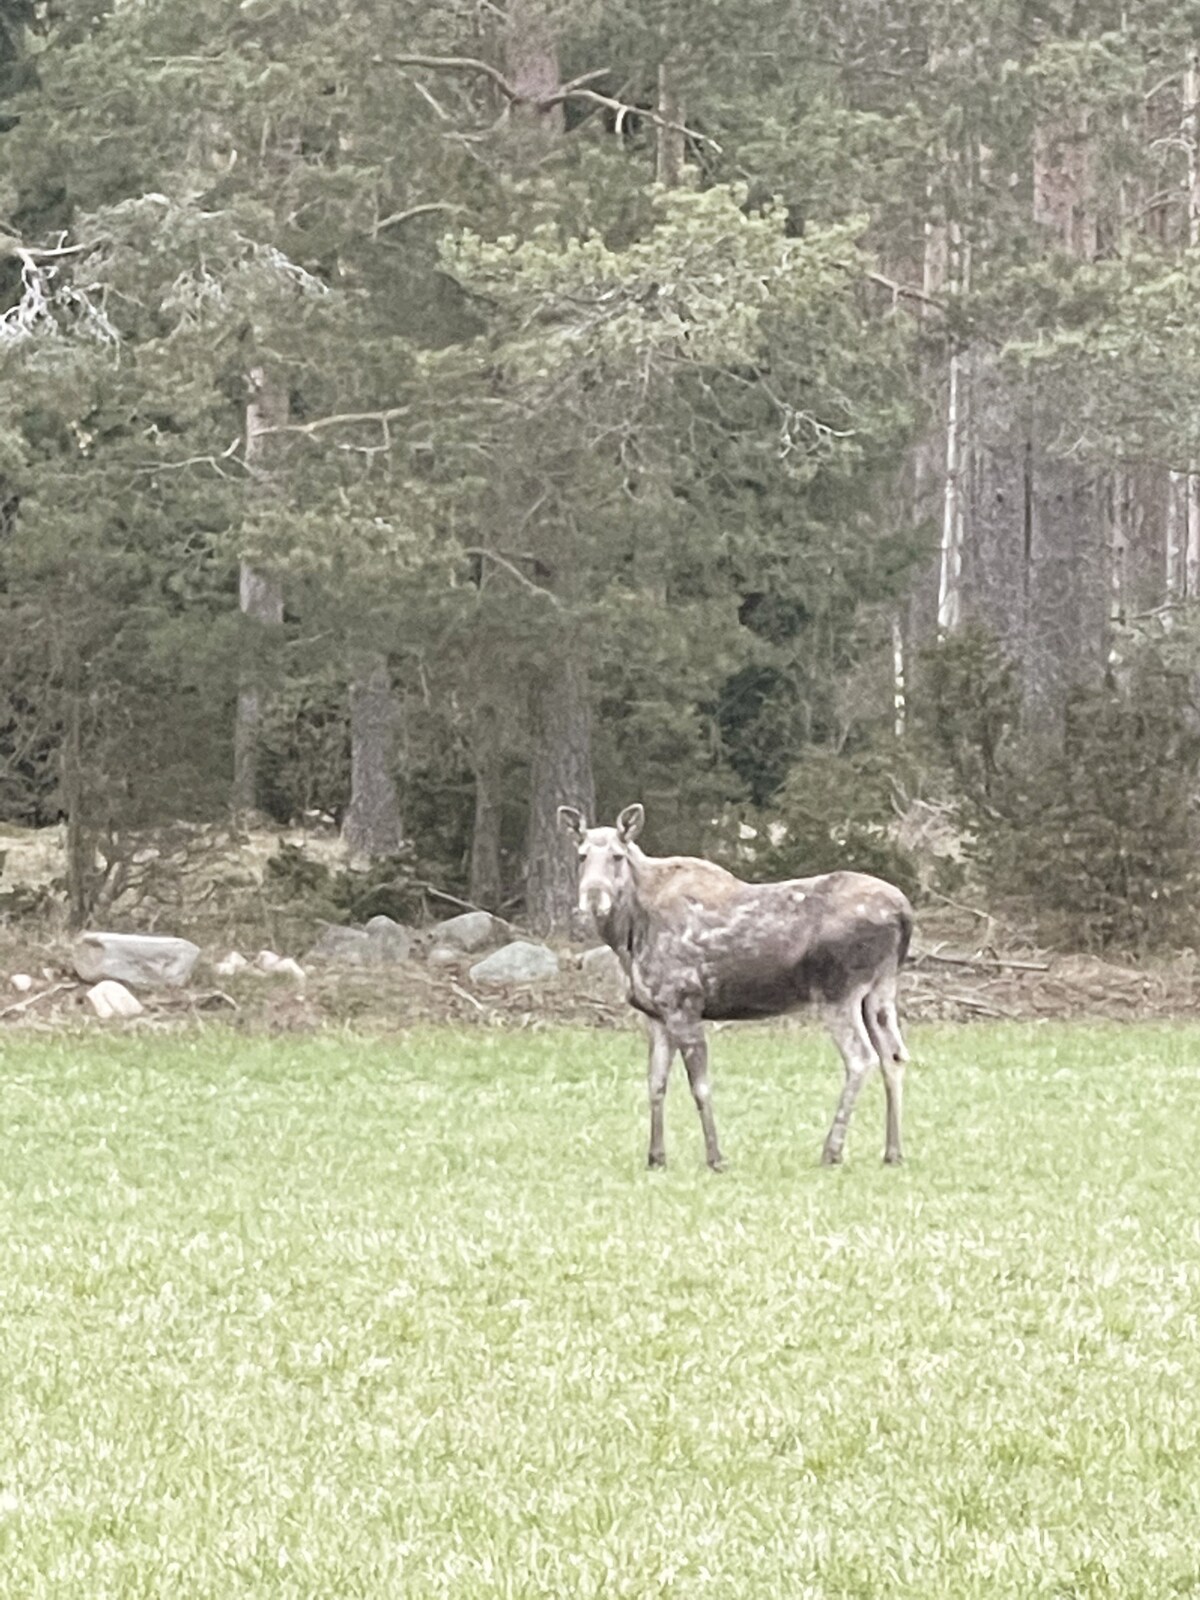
[339, 1317]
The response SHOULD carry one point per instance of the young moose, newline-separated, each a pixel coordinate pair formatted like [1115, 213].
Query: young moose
[697, 943]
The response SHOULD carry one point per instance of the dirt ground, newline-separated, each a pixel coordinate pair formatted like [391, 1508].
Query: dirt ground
[946, 980]
[967, 963]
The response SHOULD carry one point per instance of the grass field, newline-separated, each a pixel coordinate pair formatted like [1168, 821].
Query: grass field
[338, 1317]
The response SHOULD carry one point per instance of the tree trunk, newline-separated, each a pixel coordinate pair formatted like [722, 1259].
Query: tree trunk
[260, 593]
[950, 572]
[531, 66]
[372, 826]
[561, 766]
[669, 144]
[561, 775]
[486, 883]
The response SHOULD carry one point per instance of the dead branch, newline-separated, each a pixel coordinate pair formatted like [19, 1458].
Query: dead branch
[459, 990]
[989, 963]
[33, 1000]
[527, 583]
[399, 217]
[575, 89]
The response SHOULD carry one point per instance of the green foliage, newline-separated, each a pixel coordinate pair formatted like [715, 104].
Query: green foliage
[966, 707]
[831, 812]
[1103, 834]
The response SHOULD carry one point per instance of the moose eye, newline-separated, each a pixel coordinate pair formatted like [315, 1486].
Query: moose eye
[618, 855]
[582, 851]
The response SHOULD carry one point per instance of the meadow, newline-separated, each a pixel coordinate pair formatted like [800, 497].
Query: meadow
[338, 1316]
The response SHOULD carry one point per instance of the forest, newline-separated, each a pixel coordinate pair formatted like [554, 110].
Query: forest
[416, 414]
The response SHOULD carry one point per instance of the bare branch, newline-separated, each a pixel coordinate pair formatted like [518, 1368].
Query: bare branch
[514, 571]
[575, 89]
[398, 217]
[319, 424]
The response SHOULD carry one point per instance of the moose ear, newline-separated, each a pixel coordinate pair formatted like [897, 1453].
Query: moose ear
[572, 820]
[629, 823]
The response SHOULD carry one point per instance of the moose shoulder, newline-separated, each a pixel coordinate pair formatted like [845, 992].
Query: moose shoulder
[698, 943]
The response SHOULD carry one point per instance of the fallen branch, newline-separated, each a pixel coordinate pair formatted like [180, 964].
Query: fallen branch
[459, 990]
[24, 1005]
[989, 963]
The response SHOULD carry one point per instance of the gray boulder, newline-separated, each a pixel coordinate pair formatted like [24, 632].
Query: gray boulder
[518, 962]
[602, 970]
[390, 941]
[472, 931]
[144, 961]
[348, 947]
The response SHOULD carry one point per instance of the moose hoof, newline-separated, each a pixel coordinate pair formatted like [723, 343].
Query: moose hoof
[831, 1158]
[718, 1165]
[656, 1160]
[893, 1158]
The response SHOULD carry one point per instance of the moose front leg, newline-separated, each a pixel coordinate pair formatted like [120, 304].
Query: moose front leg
[692, 1045]
[662, 1050]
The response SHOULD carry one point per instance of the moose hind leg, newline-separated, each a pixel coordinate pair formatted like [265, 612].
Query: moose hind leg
[879, 1019]
[848, 1029]
[662, 1050]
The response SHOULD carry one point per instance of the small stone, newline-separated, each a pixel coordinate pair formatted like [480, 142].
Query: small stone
[233, 962]
[267, 960]
[518, 962]
[287, 968]
[444, 955]
[21, 982]
[472, 931]
[112, 999]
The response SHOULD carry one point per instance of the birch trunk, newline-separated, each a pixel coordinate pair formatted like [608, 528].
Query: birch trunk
[260, 592]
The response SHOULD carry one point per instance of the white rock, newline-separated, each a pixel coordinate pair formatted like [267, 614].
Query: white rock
[143, 960]
[21, 982]
[288, 968]
[235, 961]
[267, 960]
[444, 955]
[518, 962]
[113, 999]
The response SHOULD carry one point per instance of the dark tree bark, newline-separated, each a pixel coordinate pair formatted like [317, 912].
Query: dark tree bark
[486, 881]
[561, 775]
[372, 826]
[260, 593]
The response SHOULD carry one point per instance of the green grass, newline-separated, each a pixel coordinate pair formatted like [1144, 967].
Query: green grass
[337, 1317]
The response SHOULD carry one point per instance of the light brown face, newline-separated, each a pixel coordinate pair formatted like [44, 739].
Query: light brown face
[603, 857]
[603, 860]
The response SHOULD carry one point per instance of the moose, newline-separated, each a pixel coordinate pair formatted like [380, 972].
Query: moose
[698, 944]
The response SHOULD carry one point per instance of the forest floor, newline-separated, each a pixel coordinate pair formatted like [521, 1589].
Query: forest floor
[969, 962]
